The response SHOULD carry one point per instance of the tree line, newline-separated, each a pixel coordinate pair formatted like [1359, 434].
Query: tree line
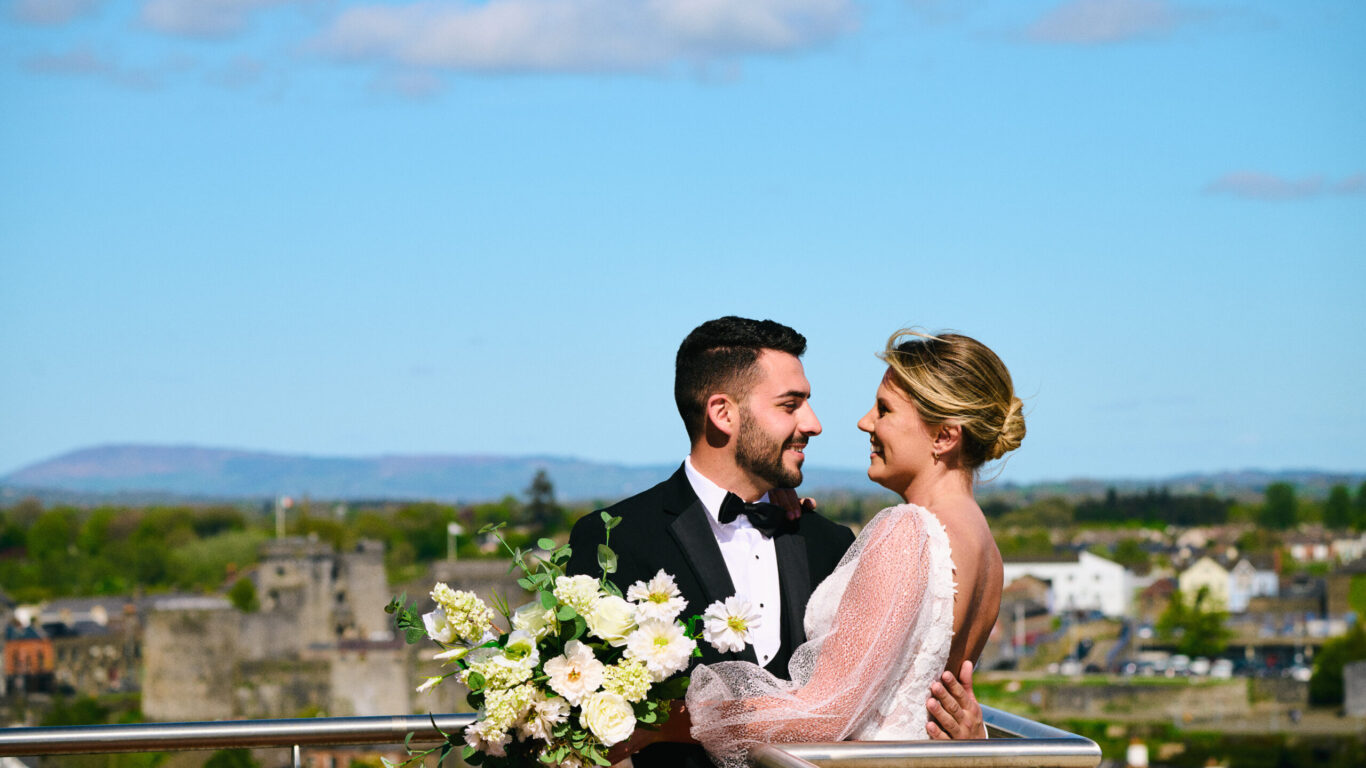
[114, 550]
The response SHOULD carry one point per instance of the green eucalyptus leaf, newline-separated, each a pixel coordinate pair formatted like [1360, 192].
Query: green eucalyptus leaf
[607, 559]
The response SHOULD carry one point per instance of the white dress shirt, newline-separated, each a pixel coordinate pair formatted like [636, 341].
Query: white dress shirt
[751, 560]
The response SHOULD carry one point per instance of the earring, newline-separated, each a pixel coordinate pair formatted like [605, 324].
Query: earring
[935, 454]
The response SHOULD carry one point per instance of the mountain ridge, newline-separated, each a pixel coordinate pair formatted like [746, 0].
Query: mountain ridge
[134, 470]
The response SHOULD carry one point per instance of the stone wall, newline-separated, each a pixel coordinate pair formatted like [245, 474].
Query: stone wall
[190, 662]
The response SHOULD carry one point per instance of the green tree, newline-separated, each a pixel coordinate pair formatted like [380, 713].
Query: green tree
[1278, 511]
[243, 595]
[1197, 627]
[541, 511]
[1359, 508]
[1337, 510]
[1325, 685]
[1130, 554]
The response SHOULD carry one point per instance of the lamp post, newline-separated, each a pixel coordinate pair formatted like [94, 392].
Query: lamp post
[452, 530]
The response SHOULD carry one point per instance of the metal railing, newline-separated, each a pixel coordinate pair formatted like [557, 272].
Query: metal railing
[1015, 741]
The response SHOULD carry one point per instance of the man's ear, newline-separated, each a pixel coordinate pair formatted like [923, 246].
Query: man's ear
[723, 414]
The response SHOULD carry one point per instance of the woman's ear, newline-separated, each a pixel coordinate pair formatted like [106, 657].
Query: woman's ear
[947, 439]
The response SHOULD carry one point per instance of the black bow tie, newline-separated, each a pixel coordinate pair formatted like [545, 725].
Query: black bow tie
[765, 517]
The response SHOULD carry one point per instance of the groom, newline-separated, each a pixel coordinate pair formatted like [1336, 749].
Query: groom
[745, 402]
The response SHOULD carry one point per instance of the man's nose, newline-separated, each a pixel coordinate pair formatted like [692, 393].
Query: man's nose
[810, 425]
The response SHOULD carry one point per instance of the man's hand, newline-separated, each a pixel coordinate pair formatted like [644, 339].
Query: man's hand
[787, 499]
[677, 729]
[953, 707]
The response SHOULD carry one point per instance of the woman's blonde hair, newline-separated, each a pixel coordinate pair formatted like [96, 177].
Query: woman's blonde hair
[955, 379]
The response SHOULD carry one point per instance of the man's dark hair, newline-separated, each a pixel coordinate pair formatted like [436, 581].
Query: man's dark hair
[719, 356]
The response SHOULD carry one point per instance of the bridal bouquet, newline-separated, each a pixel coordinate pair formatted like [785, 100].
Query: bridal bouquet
[562, 678]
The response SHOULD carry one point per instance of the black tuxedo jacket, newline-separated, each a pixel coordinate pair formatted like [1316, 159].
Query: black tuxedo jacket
[667, 527]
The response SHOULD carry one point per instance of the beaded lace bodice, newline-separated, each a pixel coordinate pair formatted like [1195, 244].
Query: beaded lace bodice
[879, 630]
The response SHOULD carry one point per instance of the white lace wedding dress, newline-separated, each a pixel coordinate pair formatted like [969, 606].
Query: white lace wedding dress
[879, 630]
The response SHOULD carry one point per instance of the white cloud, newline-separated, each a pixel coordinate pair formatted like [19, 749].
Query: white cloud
[580, 35]
[52, 11]
[86, 62]
[1090, 22]
[202, 18]
[1254, 185]
[77, 61]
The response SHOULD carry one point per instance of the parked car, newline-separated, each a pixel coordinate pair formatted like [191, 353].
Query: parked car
[1221, 669]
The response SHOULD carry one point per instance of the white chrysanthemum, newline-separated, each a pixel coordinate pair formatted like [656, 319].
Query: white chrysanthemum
[577, 592]
[609, 717]
[438, 628]
[545, 714]
[575, 674]
[534, 619]
[487, 739]
[629, 678]
[611, 618]
[726, 624]
[467, 615]
[662, 647]
[657, 599]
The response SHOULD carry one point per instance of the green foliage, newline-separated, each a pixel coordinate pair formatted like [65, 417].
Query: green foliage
[243, 596]
[232, 758]
[1197, 628]
[1154, 506]
[1356, 595]
[202, 564]
[541, 512]
[1130, 554]
[1359, 508]
[81, 711]
[1325, 685]
[1035, 543]
[1279, 512]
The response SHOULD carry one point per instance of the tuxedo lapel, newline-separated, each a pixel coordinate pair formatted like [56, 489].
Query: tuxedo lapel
[794, 580]
[692, 533]
[691, 530]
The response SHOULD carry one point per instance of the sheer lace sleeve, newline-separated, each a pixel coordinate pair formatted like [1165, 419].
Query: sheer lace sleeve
[840, 677]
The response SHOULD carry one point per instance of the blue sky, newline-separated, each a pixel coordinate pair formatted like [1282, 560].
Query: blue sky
[353, 228]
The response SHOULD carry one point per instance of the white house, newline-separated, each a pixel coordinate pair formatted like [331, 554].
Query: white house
[1247, 581]
[1207, 574]
[1087, 583]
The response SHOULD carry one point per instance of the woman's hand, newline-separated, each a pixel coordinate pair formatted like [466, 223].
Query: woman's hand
[954, 708]
[787, 499]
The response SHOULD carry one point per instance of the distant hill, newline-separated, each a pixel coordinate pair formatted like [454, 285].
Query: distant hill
[149, 472]
[140, 474]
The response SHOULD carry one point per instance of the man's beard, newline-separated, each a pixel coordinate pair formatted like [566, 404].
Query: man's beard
[762, 456]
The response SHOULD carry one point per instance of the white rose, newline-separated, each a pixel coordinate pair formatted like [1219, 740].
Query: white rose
[534, 619]
[438, 628]
[609, 717]
[521, 648]
[611, 618]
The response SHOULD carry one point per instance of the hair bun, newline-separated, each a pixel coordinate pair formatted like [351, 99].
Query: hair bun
[1012, 431]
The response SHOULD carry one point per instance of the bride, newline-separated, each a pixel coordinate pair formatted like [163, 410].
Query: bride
[916, 594]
